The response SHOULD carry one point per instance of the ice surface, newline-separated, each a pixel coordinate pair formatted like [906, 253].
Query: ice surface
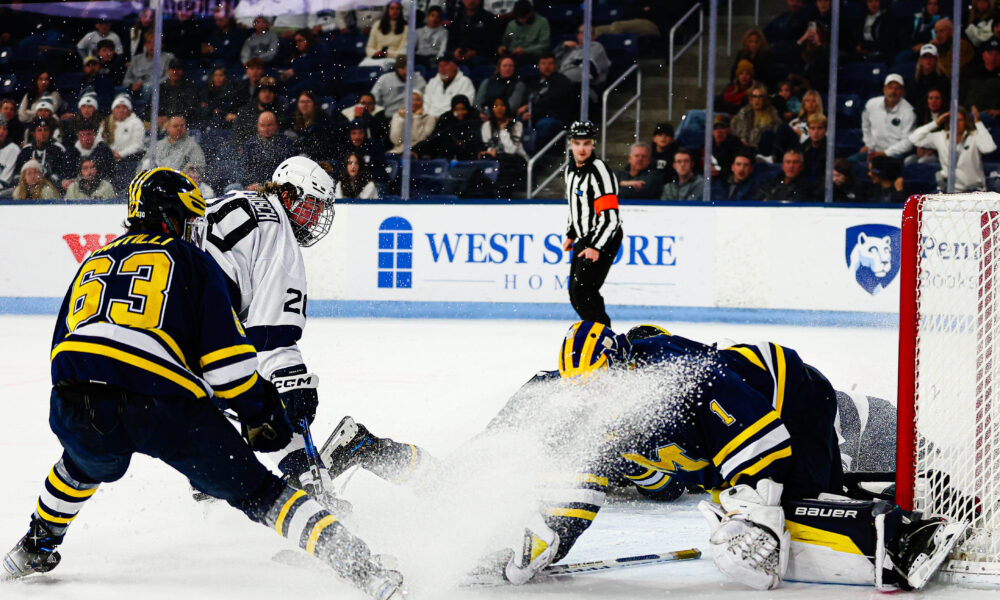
[435, 383]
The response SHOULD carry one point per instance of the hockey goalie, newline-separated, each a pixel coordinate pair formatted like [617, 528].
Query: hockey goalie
[752, 423]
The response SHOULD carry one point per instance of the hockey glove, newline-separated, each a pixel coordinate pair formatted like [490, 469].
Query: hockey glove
[538, 550]
[269, 429]
[297, 388]
[749, 540]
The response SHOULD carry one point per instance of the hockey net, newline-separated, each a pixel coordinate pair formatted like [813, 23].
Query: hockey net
[948, 438]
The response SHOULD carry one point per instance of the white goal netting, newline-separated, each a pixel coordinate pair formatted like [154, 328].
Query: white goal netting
[956, 401]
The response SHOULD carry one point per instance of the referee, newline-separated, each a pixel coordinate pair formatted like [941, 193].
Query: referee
[595, 232]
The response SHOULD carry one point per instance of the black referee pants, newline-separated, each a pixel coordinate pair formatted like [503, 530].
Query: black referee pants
[586, 278]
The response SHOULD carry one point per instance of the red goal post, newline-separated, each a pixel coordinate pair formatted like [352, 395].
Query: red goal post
[948, 412]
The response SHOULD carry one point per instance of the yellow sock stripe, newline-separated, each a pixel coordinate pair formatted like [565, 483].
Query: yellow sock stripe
[749, 354]
[746, 434]
[50, 518]
[576, 513]
[761, 464]
[284, 511]
[133, 360]
[60, 485]
[169, 341]
[236, 391]
[779, 396]
[820, 537]
[591, 478]
[224, 353]
[414, 456]
[318, 529]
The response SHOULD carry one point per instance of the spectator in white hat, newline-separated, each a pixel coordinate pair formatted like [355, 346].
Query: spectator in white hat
[33, 184]
[86, 116]
[928, 75]
[125, 133]
[887, 120]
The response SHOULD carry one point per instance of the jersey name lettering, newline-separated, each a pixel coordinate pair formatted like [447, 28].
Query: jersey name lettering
[263, 210]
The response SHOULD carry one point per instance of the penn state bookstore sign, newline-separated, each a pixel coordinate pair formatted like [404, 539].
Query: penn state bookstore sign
[754, 257]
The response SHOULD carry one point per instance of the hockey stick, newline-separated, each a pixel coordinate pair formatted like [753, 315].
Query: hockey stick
[296, 558]
[315, 465]
[623, 562]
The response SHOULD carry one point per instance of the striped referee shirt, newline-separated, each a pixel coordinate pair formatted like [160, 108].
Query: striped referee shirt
[592, 192]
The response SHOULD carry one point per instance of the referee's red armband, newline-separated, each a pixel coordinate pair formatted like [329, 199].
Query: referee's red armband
[606, 202]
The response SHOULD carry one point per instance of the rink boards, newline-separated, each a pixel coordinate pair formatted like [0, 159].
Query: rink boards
[826, 265]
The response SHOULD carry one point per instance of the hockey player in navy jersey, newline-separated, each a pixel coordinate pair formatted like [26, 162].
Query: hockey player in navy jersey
[255, 237]
[145, 342]
[754, 423]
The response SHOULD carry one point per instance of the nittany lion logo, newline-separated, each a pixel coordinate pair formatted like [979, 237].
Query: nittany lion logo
[873, 255]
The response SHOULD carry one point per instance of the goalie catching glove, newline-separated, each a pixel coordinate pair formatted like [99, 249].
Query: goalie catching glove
[297, 388]
[749, 540]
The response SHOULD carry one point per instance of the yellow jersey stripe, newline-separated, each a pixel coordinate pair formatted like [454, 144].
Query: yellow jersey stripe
[749, 355]
[236, 391]
[761, 464]
[819, 537]
[280, 521]
[779, 393]
[746, 434]
[659, 484]
[169, 341]
[643, 476]
[224, 353]
[318, 529]
[576, 513]
[50, 518]
[133, 360]
[62, 487]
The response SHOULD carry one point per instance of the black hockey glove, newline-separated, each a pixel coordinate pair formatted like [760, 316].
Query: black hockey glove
[268, 430]
[297, 388]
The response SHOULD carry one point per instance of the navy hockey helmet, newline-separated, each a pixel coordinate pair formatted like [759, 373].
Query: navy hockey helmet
[583, 130]
[588, 348]
[167, 201]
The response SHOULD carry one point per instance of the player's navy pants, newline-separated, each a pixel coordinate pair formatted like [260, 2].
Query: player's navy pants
[101, 427]
[586, 278]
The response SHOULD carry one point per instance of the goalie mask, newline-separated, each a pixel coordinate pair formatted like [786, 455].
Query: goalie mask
[311, 210]
[589, 348]
[167, 201]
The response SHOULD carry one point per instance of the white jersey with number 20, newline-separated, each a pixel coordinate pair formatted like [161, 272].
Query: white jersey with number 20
[249, 236]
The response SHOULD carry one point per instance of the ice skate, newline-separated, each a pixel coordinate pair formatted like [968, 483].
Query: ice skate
[927, 547]
[348, 445]
[35, 553]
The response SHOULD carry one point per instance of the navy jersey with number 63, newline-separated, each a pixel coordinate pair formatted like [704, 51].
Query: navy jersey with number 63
[151, 314]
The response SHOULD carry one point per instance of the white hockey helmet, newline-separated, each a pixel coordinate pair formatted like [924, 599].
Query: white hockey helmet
[311, 211]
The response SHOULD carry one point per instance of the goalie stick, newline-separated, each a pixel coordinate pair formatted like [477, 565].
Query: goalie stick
[298, 559]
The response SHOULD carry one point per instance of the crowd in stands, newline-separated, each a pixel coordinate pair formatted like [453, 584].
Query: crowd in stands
[495, 81]
[892, 108]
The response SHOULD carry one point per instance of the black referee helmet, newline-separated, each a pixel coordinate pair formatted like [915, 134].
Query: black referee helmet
[583, 130]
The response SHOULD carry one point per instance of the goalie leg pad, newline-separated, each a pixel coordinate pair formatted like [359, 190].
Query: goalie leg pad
[842, 541]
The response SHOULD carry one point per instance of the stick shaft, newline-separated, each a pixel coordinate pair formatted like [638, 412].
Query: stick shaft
[623, 562]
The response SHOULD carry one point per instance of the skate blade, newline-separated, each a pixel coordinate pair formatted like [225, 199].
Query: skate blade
[342, 433]
[926, 565]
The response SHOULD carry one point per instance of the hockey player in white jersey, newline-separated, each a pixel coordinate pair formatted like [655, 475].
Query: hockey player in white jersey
[256, 238]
